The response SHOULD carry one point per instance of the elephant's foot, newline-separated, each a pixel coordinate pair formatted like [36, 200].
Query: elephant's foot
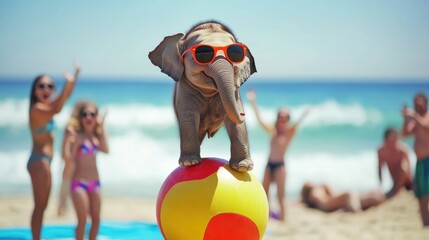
[189, 160]
[241, 166]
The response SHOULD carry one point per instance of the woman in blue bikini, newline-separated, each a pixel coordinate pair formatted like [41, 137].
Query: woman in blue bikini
[281, 136]
[42, 110]
[85, 182]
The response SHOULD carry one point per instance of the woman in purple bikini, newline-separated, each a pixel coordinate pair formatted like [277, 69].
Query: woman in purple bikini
[281, 135]
[85, 183]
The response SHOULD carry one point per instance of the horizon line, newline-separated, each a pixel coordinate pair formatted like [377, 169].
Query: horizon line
[274, 79]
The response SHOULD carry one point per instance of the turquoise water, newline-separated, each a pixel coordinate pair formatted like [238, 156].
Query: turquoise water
[336, 143]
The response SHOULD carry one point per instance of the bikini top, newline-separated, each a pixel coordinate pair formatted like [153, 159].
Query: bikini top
[49, 127]
[86, 150]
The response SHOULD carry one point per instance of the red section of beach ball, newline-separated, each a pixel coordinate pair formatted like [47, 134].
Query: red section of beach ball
[230, 226]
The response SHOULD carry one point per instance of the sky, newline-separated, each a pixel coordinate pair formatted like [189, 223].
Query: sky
[289, 39]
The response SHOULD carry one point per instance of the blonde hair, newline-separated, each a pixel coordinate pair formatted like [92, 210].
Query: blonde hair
[80, 107]
[73, 122]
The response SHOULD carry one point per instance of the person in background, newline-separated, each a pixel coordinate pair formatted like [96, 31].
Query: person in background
[85, 184]
[416, 123]
[395, 155]
[322, 197]
[68, 139]
[41, 112]
[282, 133]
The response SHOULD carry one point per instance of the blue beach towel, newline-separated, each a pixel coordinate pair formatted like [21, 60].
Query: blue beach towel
[108, 230]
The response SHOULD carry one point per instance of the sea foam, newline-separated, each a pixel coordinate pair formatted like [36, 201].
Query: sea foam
[138, 164]
[132, 115]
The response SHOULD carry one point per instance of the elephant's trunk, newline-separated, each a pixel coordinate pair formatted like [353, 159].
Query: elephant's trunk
[223, 74]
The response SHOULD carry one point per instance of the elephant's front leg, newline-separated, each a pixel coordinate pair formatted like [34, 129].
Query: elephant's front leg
[240, 155]
[189, 141]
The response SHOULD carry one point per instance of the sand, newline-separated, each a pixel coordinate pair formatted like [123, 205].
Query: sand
[396, 219]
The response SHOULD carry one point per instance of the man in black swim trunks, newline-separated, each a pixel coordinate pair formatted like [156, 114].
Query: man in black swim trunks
[282, 134]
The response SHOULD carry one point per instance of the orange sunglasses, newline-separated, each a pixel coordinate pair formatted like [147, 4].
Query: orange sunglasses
[205, 54]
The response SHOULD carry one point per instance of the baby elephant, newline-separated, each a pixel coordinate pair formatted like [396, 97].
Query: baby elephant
[208, 65]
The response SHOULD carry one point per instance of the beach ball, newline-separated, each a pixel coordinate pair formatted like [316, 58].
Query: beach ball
[211, 201]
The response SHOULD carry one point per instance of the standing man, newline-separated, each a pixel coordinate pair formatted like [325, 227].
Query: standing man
[417, 123]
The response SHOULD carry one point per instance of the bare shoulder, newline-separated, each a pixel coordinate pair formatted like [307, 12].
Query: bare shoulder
[41, 111]
[69, 130]
[38, 106]
[271, 130]
[403, 148]
[381, 152]
[381, 148]
[34, 110]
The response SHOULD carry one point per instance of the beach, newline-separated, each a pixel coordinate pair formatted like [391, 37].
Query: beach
[398, 218]
[336, 142]
[335, 145]
[304, 92]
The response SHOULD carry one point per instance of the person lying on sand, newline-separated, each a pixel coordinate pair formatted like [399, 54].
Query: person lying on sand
[322, 197]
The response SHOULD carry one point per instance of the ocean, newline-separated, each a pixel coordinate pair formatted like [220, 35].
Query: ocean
[335, 144]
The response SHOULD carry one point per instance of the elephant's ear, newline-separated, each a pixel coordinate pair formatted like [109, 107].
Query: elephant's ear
[167, 56]
[245, 69]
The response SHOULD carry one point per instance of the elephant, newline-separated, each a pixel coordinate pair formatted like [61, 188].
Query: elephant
[206, 92]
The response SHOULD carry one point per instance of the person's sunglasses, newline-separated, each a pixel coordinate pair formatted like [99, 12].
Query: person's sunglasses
[205, 54]
[88, 114]
[45, 85]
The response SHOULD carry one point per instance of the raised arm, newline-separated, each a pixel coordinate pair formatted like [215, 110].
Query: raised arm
[419, 120]
[302, 117]
[47, 111]
[292, 130]
[58, 103]
[251, 96]
[409, 124]
[102, 136]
